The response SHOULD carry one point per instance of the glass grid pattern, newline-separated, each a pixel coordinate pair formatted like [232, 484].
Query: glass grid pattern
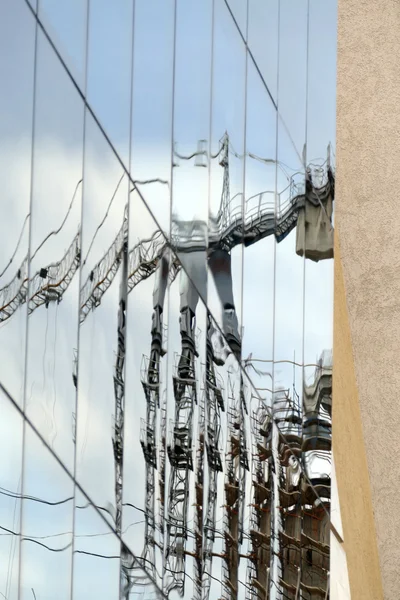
[166, 295]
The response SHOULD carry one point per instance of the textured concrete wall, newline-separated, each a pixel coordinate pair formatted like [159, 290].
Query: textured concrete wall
[368, 228]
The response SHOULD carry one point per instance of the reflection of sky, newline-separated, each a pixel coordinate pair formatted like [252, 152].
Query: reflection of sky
[268, 284]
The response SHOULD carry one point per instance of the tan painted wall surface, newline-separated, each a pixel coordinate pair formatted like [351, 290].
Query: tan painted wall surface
[350, 458]
[339, 576]
[368, 224]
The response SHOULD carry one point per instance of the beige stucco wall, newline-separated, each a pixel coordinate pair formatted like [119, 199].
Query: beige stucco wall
[368, 230]
[351, 465]
[339, 577]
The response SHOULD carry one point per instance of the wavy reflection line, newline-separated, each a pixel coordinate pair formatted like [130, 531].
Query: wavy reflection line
[54, 535]
[17, 246]
[11, 494]
[57, 231]
[104, 218]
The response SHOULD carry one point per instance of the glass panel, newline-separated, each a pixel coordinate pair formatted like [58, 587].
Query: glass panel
[152, 105]
[144, 443]
[104, 244]
[175, 566]
[227, 167]
[321, 162]
[97, 560]
[258, 326]
[316, 446]
[318, 240]
[321, 96]
[66, 23]
[224, 540]
[239, 12]
[287, 483]
[11, 435]
[226, 490]
[187, 334]
[293, 70]
[96, 555]
[183, 495]
[191, 115]
[263, 40]
[47, 521]
[229, 567]
[109, 69]
[162, 499]
[16, 106]
[55, 253]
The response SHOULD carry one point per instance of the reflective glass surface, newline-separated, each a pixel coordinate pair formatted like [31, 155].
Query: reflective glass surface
[56, 206]
[65, 23]
[109, 67]
[16, 123]
[166, 299]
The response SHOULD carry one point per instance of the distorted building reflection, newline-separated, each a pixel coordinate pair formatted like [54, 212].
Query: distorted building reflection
[303, 424]
[169, 435]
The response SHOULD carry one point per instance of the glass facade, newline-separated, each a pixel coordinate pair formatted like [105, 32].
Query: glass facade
[166, 296]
